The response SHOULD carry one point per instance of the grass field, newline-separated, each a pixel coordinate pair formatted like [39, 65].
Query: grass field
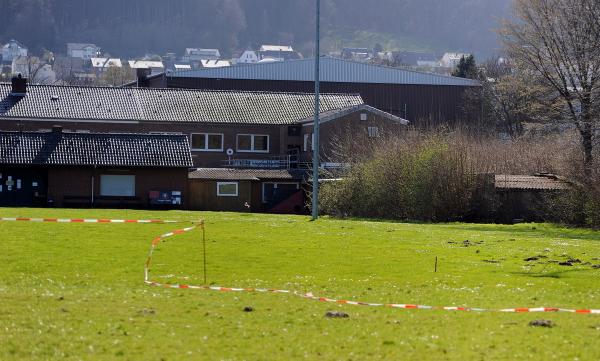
[76, 292]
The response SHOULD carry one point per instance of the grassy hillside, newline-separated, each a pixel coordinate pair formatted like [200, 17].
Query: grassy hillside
[75, 291]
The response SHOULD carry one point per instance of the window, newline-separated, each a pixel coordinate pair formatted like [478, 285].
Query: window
[373, 132]
[227, 189]
[207, 142]
[117, 185]
[363, 116]
[309, 141]
[253, 143]
[278, 192]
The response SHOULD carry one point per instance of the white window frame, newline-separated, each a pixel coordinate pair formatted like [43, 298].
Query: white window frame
[252, 150]
[275, 184]
[373, 132]
[312, 141]
[206, 149]
[237, 189]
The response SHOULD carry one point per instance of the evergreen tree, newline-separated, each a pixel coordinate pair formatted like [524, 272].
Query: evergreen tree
[466, 68]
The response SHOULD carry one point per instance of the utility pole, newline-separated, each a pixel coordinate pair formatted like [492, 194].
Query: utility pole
[315, 142]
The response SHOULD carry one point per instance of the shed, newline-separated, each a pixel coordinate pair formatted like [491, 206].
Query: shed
[525, 197]
[247, 190]
[64, 169]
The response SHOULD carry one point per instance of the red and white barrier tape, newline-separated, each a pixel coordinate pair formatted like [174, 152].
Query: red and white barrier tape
[308, 295]
[82, 220]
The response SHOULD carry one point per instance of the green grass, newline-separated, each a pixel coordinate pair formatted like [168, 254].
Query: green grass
[76, 292]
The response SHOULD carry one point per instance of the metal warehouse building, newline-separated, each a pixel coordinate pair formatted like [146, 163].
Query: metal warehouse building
[412, 95]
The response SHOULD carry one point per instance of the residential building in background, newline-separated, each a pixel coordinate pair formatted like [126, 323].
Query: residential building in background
[12, 50]
[198, 54]
[451, 60]
[284, 52]
[99, 65]
[215, 63]
[155, 66]
[82, 50]
[248, 57]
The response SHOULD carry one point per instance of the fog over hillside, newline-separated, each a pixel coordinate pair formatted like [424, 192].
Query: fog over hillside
[135, 27]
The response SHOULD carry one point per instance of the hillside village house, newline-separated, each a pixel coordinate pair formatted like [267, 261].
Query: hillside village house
[226, 129]
[154, 66]
[283, 52]
[248, 57]
[82, 50]
[13, 50]
[451, 60]
[100, 65]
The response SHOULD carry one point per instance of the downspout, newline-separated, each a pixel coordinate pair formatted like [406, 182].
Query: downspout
[93, 184]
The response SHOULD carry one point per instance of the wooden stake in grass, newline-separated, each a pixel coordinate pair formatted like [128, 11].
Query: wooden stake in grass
[203, 248]
[435, 269]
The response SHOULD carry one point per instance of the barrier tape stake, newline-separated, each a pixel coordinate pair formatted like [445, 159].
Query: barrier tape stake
[203, 248]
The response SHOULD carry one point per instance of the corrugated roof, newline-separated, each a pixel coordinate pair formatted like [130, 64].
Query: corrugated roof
[97, 149]
[530, 182]
[245, 174]
[332, 70]
[166, 105]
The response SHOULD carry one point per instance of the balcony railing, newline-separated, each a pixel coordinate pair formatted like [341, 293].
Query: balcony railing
[280, 162]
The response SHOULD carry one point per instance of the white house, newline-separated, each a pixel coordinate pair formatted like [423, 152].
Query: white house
[197, 54]
[34, 69]
[82, 51]
[12, 50]
[284, 52]
[156, 67]
[451, 60]
[99, 65]
[248, 57]
[277, 48]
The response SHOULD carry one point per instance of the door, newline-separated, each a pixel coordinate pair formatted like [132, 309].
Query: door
[22, 187]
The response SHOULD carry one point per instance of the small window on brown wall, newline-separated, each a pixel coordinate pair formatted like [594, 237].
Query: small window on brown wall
[253, 143]
[207, 142]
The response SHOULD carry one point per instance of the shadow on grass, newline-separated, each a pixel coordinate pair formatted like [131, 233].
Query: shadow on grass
[553, 274]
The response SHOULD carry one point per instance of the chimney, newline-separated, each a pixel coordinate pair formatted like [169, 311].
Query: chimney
[19, 86]
[142, 77]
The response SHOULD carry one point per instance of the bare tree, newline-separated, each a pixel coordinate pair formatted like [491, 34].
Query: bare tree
[558, 40]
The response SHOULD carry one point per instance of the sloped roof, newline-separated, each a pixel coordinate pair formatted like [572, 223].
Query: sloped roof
[245, 174]
[530, 182]
[276, 48]
[165, 105]
[145, 64]
[332, 70]
[94, 149]
[106, 62]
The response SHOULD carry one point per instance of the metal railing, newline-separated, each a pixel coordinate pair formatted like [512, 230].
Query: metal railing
[278, 162]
